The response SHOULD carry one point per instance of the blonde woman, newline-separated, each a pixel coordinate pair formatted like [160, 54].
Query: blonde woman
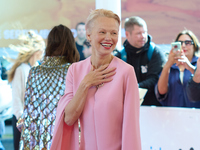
[30, 51]
[102, 92]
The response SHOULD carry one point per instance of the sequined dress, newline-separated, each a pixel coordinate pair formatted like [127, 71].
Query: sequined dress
[45, 86]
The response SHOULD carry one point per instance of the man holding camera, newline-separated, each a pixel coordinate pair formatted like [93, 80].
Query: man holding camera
[146, 58]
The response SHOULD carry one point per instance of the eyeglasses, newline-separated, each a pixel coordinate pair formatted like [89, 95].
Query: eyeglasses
[187, 42]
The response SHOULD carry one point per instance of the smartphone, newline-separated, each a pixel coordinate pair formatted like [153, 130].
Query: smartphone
[176, 46]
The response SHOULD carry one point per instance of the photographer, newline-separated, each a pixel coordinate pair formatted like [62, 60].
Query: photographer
[171, 86]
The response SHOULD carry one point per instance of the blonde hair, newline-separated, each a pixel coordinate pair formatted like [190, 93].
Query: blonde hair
[30, 43]
[99, 13]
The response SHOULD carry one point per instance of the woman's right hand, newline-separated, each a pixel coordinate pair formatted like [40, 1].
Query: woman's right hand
[164, 77]
[99, 76]
[173, 57]
[94, 78]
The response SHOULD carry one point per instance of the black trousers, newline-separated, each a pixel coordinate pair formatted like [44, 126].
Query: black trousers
[16, 133]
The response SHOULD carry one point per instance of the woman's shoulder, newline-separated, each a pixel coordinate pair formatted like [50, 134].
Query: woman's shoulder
[123, 68]
[22, 67]
[194, 60]
[122, 64]
[46, 68]
[81, 64]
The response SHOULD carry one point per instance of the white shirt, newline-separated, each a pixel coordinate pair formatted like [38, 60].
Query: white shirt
[18, 89]
[181, 76]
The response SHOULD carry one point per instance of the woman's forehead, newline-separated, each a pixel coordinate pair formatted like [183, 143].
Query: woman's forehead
[184, 37]
[102, 22]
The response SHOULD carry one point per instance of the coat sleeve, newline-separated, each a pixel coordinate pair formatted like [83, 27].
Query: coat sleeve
[159, 96]
[131, 125]
[192, 90]
[64, 136]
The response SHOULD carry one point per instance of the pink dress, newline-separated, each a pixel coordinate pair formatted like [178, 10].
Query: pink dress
[110, 119]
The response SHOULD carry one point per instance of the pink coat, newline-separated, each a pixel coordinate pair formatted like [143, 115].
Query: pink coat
[110, 119]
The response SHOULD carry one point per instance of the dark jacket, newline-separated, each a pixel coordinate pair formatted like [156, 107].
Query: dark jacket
[80, 50]
[147, 71]
[192, 90]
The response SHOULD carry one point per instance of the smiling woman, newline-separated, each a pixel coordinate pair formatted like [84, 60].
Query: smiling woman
[103, 38]
[101, 92]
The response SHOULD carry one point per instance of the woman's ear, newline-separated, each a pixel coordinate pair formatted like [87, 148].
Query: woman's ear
[88, 36]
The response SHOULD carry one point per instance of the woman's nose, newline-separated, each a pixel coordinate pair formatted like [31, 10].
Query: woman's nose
[183, 44]
[108, 36]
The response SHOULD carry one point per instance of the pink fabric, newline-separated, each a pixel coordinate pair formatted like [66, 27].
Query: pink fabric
[110, 119]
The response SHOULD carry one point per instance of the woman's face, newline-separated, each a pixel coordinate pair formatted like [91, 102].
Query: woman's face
[187, 46]
[103, 36]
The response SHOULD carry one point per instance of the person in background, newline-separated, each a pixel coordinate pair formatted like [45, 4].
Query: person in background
[171, 87]
[30, 51]
[1, 146]
[2, 124]
[81, 37]
[45, 86]
[146, 58]
[102, 93]
[87, 49]
[193, 85]
[3, 72]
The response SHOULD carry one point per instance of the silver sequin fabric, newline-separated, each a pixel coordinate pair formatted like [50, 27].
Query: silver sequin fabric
[45, 86]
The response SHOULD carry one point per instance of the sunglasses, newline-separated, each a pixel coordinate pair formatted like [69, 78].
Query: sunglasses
[187, 42]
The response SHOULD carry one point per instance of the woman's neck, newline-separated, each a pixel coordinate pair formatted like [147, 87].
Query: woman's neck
[32, 61]
[98, 62]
